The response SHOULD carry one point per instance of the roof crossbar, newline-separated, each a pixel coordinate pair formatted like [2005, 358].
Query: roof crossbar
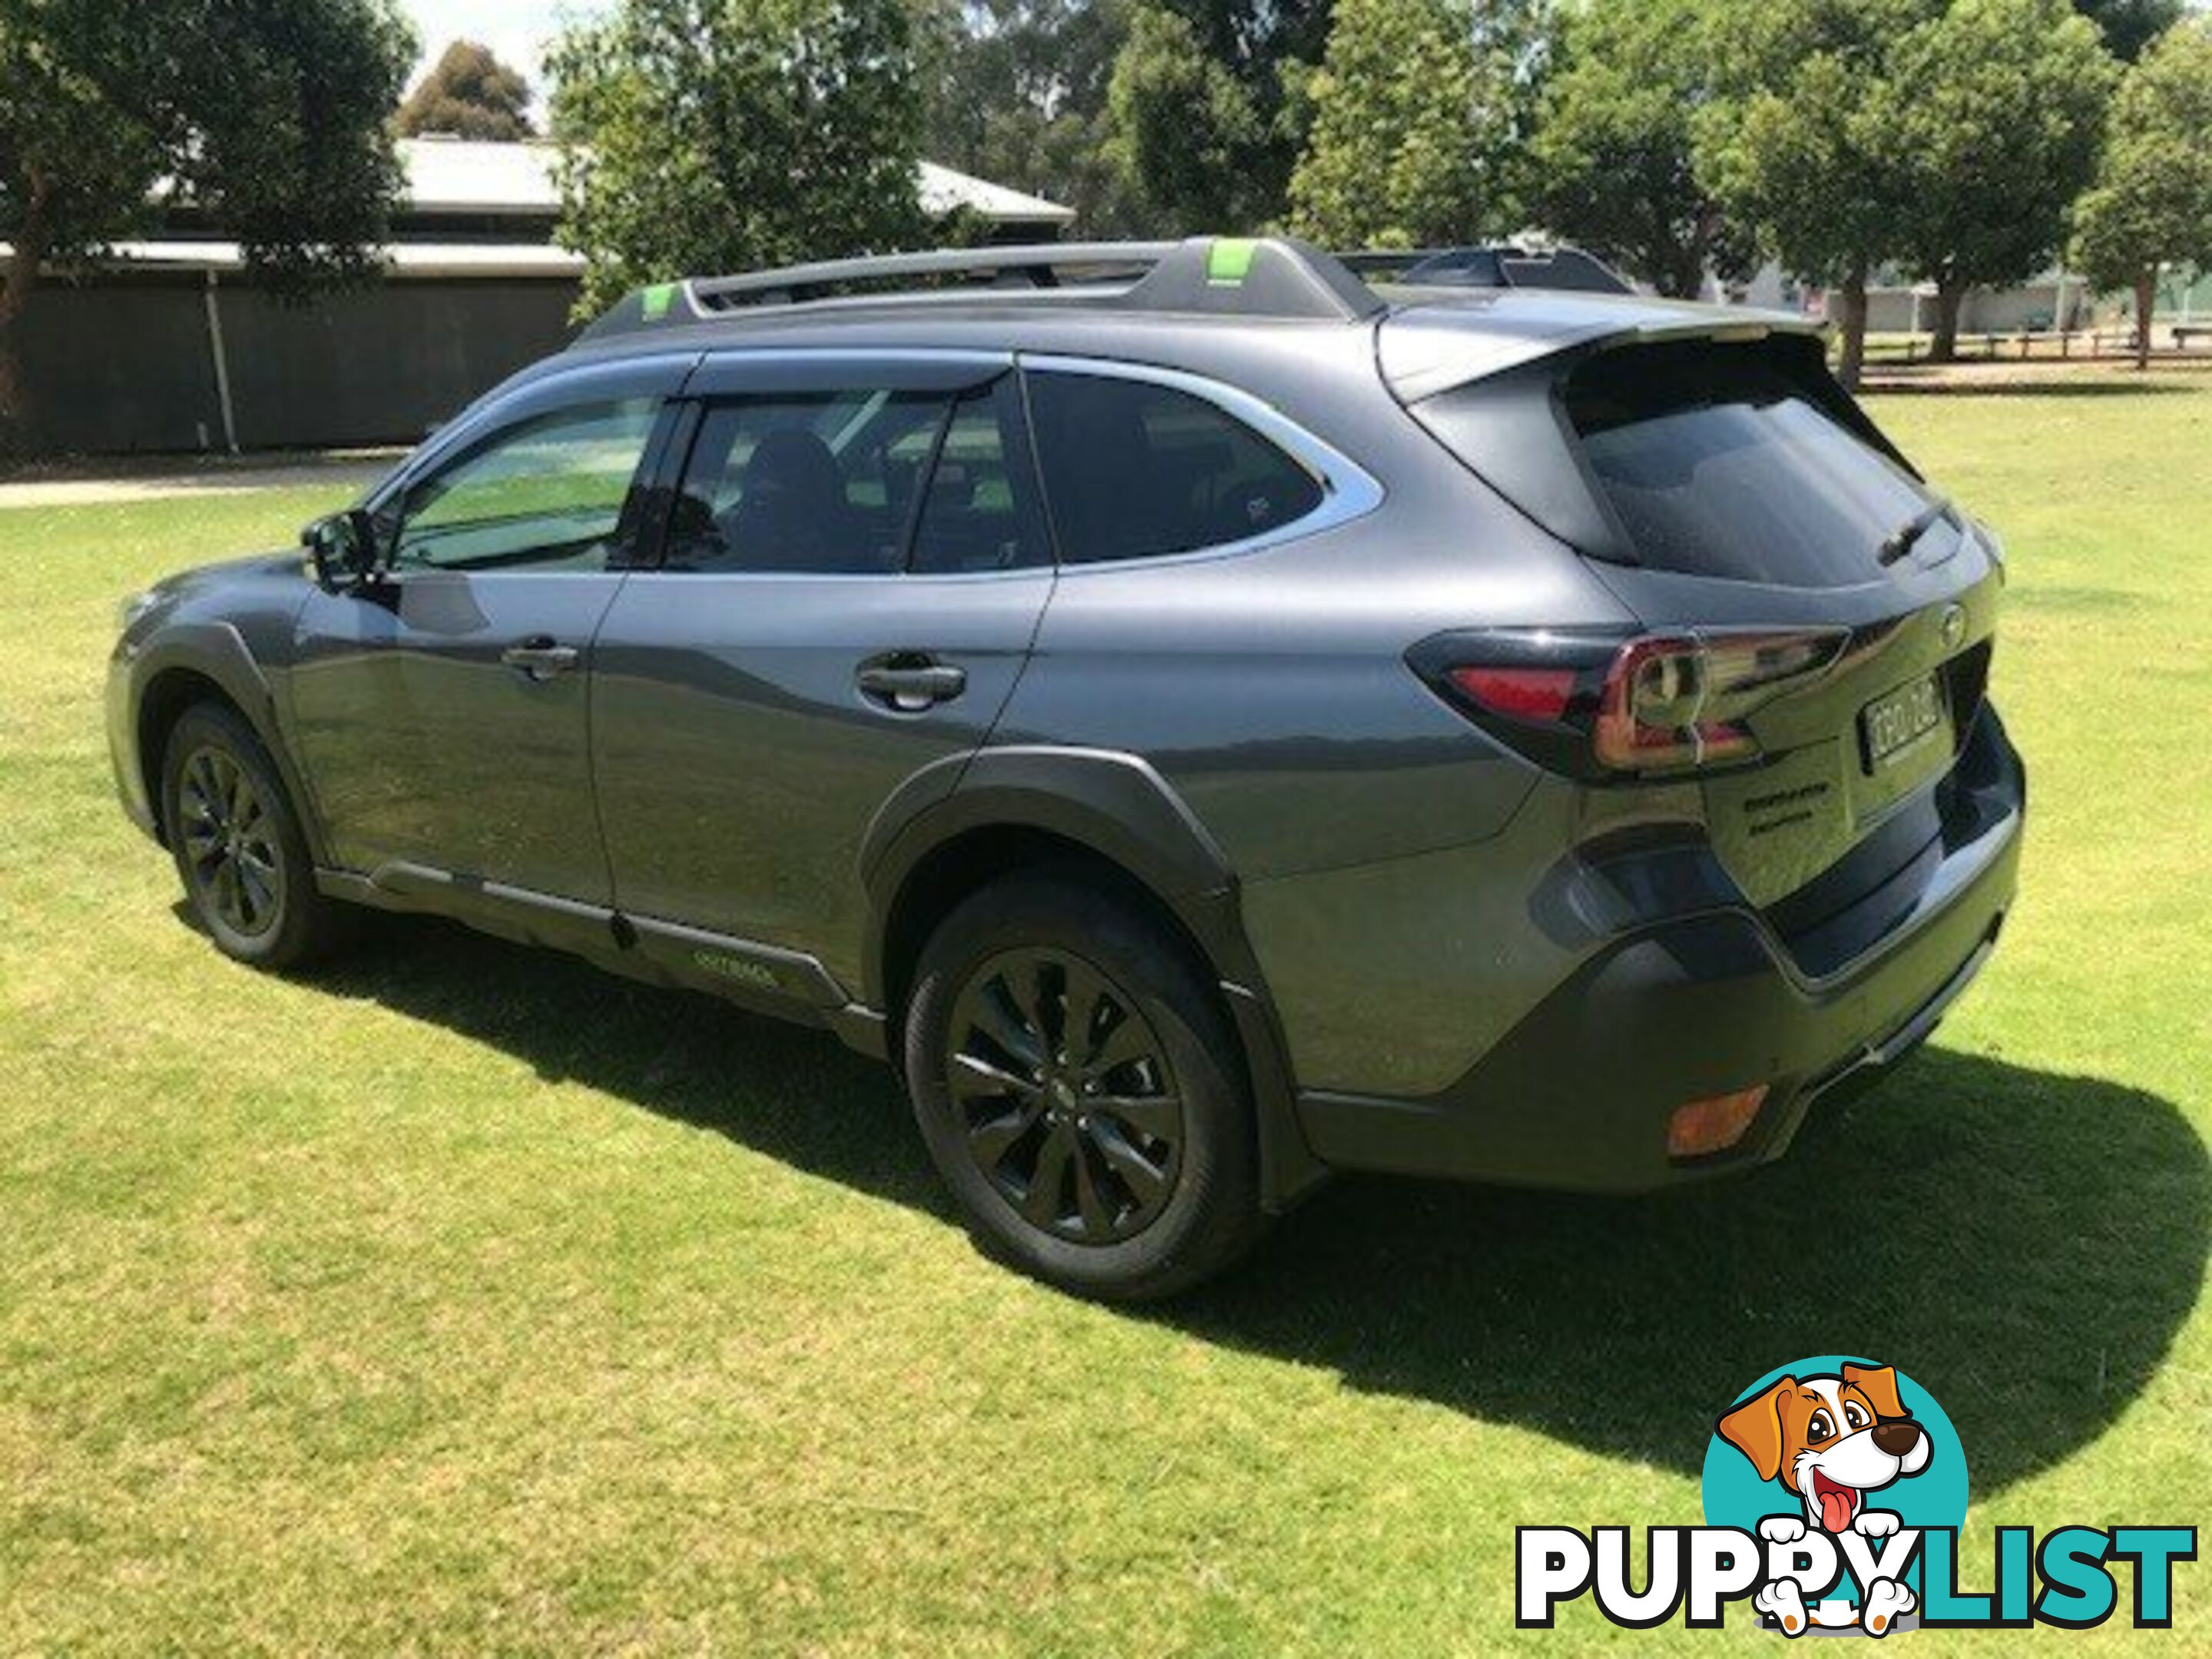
[1261, 277]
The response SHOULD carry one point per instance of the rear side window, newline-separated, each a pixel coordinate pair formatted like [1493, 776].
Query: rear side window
[1728, 461]
[1133, 469]
[845, 482]
[980, 512]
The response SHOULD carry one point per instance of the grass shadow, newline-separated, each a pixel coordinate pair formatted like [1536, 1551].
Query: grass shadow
[2024, 1244]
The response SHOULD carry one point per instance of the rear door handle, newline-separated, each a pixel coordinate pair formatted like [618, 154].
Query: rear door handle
[911, 681]
[540, 658]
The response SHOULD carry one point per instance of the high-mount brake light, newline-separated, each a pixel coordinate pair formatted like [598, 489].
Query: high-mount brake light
[1656, 704]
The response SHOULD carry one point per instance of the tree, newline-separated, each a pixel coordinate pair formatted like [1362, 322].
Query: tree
[2129, 26]
[1408, 116]
[270, 120]
[725, 135]
[1205, 111]
[1016, 92]
[470, 93]
[2152, 203]
[1612, 165]
[1998, 135]
[1802, 146]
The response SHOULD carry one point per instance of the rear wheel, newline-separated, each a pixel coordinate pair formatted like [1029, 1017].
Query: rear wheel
[1079, 1090]
[237, 844]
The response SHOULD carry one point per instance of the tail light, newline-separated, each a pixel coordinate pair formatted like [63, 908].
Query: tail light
[1655, 703]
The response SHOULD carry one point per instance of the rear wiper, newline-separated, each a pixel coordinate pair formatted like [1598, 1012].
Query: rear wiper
[1900, 540]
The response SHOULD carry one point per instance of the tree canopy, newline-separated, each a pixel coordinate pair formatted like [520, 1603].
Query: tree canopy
[725, 135]
[1016, 92]
[2152, 201]
[2129, 26]
[1996, 130]
[1408, 114]
[272, 119]
[1800, 147]
[469, 94]
[1612, 165]
[1208, 109]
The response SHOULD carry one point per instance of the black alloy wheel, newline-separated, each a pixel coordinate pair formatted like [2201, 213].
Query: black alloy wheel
[1065, 1094]
[232, 856]
[239, 845]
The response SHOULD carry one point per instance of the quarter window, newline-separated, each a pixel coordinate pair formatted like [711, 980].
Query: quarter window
[546, 494]
[1133, 469]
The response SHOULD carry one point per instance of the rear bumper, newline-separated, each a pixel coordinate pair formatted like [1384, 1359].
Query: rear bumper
[1578, 1095]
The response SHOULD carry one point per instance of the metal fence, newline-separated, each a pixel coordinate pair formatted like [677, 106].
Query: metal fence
[133, 361]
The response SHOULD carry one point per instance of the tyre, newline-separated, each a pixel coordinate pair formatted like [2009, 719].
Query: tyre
[239, 851]
[1080, 1090]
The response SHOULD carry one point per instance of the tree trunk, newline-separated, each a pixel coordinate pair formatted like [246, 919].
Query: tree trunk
[2146, 297]
[1851, 318]
[1950, 294]
[19, 278]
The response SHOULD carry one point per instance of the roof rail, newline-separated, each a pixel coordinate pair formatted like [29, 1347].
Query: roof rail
[1219, 276]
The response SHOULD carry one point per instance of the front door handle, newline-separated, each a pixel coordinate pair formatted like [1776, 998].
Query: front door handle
[540, 658]
[909, 682]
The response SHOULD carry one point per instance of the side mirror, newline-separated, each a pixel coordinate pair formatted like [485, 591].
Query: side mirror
[343, 548]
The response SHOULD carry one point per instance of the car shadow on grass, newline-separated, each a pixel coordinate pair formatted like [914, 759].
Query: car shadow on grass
[2024, 1244]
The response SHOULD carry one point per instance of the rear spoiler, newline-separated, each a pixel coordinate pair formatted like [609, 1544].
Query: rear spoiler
[1424, 350]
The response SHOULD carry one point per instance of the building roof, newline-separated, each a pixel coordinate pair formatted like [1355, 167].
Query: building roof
[400, 259]
[467, 175]
[943, 189]
[467, 178]
[462, 175]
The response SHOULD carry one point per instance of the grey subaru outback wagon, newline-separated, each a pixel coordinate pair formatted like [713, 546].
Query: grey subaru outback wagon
[1206, 722]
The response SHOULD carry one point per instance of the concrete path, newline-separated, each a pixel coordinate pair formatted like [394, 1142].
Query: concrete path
[75, 483]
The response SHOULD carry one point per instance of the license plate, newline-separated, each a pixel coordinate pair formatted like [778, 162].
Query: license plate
[1891, 724]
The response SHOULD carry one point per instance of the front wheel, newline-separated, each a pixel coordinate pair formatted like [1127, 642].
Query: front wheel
[240, 850]
[1080, 1090]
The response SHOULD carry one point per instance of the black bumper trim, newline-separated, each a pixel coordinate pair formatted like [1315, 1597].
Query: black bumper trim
[1578, 1095]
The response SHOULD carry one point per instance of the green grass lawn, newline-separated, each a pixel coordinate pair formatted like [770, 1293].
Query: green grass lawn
[465, 1299]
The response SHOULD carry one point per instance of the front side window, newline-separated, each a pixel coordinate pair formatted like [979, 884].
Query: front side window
[546, 494]
[857, 483]
[1133, 469]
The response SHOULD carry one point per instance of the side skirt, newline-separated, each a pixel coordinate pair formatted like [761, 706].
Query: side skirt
[764, 979]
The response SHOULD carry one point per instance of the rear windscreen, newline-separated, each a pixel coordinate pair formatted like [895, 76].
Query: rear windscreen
[1715, 459]
[1718, 465]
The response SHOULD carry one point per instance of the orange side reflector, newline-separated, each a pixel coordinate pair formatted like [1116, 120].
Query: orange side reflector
[1705, 1126]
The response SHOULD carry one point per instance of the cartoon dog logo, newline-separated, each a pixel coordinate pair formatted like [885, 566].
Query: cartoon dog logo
[1830, 1441]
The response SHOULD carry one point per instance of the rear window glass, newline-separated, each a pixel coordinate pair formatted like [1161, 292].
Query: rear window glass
[852, 482]
[1717, 463]
[1133, 470]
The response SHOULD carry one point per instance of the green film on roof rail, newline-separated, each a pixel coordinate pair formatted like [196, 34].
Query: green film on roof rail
[656, 299]
[1229, 261]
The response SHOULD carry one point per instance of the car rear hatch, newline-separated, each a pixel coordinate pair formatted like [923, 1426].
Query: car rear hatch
[1827, 615]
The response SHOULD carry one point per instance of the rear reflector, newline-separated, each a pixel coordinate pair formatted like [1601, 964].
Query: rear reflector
[1705, 1126]
[1527, 694]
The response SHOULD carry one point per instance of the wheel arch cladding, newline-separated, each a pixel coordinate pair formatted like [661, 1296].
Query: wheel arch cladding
[1016, 808]
[211, 664]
